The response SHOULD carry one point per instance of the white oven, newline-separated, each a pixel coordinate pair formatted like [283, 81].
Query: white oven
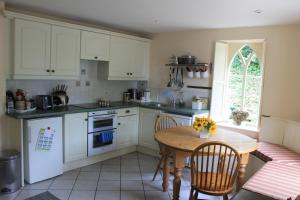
[101, 132]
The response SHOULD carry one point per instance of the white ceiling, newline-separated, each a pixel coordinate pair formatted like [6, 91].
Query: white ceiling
[152, 16]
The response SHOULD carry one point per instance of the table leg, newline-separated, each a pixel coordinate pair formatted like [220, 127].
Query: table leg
[179, 165]
[166, 172]
[242, 170]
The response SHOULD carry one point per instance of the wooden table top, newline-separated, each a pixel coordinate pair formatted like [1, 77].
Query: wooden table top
[185, 138]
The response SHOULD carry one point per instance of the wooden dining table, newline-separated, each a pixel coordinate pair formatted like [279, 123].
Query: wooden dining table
[181, 142]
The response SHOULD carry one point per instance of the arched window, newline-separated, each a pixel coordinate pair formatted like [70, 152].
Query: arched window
[244, 82]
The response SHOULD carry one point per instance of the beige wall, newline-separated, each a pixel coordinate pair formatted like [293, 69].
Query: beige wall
[281, 95]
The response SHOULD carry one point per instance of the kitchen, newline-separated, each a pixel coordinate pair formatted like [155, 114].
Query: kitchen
[79, 94]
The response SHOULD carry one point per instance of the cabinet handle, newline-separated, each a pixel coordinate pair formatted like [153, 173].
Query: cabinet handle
[127, 111]
[130, 73]
[127, 73]
[96, 57]
[86, 120]
[47, 70]
[119, 124]
[53, 70]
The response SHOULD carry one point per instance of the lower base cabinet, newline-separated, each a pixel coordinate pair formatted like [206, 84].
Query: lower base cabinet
[147, 122]
[127, 131]
[75, 137]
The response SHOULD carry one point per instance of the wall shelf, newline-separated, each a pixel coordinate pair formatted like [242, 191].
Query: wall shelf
[188, 65]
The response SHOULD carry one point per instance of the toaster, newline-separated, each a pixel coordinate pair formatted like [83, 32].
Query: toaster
[44, 102]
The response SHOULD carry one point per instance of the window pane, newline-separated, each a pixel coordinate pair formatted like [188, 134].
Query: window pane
[252, 98]
[254, 67]
[236, 66]
[235, 92]
[246, 51]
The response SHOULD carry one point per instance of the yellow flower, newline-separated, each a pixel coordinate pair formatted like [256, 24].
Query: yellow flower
[212, 129]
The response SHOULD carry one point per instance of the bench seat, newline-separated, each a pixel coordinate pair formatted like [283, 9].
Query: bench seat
[276, 180]
[268, 152]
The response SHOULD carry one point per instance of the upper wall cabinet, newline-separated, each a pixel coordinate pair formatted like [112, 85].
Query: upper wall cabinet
[94, 46]
[32, 48]
[129, 60]
[44, 51]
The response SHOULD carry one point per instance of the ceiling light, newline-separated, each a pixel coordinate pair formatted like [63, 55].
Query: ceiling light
[258, 11]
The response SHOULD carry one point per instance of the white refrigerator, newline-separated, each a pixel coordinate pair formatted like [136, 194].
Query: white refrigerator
[43, 149]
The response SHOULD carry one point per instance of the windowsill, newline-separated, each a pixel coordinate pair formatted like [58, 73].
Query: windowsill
[252, 132]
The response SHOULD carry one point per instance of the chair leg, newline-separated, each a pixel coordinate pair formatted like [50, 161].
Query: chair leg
[191, 194]
[225, 197]
[158, 167]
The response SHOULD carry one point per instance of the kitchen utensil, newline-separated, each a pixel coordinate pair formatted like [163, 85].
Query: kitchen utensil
[170, 81]
[182, 84]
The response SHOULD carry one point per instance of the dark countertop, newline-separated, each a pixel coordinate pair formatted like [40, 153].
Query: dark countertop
[59, 111]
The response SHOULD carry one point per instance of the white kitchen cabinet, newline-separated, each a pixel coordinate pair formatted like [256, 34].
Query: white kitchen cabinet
[146, 130]
[65, 51]
[95, 46]
[127, 131]
[32, 48]
[182, 120]
[75, 137]
[129, 59]
[44, 51]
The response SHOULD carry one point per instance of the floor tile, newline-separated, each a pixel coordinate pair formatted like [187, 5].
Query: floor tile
[107, 195]
[130, 162]
[91, 168]
[132, 185]
[157, 195]
[61, 194]
[88, 176]
[109, 185]
[148, 176]
[132, 195]
[131, 176]
[62, 184]
[10, 196]
[113, 176]
[85, 185]
[43, 185]
[153, 185]
[24, 194]
[110, 168]
[82, 195]
[130, 168]
[70, 175]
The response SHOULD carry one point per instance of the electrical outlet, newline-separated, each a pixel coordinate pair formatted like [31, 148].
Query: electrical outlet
[87, 83]
[78, 83]
[83, 72]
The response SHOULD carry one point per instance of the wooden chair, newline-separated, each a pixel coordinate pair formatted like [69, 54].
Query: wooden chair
[214, 168]
[163, 122]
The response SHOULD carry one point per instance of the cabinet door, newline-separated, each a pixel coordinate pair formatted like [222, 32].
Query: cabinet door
[65, 55]
[75, 137]
[139, 59]
[32, 48]
[94, 46]
[147, 130]
[127, 131]
[120, 58]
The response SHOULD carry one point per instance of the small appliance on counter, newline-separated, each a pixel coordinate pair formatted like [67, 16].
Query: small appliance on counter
[21, 103]
[200, 103]
[126, 97]
[44, 102]
[60, 97]
[136, 95]
[133, 94]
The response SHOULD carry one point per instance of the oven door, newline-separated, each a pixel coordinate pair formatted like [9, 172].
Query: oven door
[101, 142]
[101, 122]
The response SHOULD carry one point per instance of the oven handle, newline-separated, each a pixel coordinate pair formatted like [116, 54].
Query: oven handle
[102, 117]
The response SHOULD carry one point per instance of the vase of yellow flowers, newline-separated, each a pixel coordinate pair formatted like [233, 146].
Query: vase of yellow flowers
[205, 126]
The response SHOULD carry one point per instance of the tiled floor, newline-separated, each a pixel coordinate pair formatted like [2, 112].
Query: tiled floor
[128, 177]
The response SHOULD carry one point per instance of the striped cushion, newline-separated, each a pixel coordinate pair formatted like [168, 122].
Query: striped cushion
[276, 180]
[267, 152]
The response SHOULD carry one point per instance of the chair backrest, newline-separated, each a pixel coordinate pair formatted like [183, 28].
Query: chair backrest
[214, 168]
[164, 121]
